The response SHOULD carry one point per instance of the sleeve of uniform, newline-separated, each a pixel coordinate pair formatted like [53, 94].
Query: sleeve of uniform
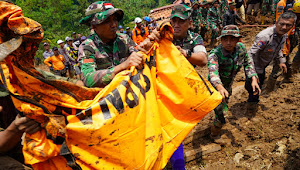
[47, 61]
[213, 69]
[91, 76]
[199, 45]
[259, 44]
[280, 57]
[248, 62]
[131, 45]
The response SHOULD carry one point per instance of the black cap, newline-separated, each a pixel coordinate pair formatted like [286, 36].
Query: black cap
[54, 48]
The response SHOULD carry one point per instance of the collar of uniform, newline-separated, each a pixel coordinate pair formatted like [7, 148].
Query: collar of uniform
[99, 41]
[226, 53]
[188, 36]
[274, 30]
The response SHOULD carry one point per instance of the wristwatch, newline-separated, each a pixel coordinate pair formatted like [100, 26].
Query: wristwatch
[188, 54]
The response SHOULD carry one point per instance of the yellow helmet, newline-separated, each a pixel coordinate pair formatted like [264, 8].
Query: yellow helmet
[296, 7]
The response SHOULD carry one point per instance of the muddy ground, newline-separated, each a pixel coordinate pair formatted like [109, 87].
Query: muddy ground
[268, 139]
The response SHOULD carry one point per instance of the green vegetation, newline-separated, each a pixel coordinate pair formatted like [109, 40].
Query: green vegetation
[60, 18]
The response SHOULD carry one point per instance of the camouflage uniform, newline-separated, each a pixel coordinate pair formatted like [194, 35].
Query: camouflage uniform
[224, 66]
[203, 19]
[224, 6]
[190, 41]
[196, 15]
[98, 59]
[214, 21]
[267, 6]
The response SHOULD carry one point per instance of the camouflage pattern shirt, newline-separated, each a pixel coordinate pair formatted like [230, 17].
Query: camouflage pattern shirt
[190, 41]
[224, 66]
[203, 17]
[196, 17]
[213, 16]
[97, 59]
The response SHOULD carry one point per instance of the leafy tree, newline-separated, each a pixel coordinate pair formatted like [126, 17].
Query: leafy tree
[59, 18]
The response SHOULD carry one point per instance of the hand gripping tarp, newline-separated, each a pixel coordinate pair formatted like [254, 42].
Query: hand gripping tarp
[135, 122]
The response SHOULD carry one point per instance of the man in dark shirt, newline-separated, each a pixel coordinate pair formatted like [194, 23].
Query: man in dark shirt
[231, 16]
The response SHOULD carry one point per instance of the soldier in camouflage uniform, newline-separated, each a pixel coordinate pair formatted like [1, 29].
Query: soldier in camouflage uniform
[266, 7]
[191, 46]
[224, 62]
[189, 43]
[203, 10]
[196, 16]
[223, 6]
[105, 52]
[214, 21]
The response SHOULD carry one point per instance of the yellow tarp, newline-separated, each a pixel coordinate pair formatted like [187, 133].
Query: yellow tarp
[135, 122]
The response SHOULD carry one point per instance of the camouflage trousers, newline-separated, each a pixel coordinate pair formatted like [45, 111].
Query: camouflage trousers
[222, 109]
[196, 27]
[266, 7]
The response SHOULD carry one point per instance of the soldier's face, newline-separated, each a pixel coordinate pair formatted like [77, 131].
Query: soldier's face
[107, 30]
[180, 27]
[284, 25]
[229, 42]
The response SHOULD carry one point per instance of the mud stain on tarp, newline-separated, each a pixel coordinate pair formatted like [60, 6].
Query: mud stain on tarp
[151, 139]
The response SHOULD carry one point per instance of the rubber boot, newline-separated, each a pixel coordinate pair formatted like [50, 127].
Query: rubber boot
[270, 85]
[263, 20]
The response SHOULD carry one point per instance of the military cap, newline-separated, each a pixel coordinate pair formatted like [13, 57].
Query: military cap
[99, 11]
[181, 11]
[230, 30]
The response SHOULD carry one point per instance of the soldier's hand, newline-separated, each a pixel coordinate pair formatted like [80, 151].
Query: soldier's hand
[183, 52]
[224, 93]
[255, 87]
[155, 35]
[27, 125]
[145, 45]
[135, 59]
[283, 67]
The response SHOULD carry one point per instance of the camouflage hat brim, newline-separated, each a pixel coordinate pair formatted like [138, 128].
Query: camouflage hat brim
[100, 17]
[234, 35]
[179, 16]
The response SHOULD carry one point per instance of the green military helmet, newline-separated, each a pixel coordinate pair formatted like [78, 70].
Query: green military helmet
[231, 30]
[181, 11]
[99, 11]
